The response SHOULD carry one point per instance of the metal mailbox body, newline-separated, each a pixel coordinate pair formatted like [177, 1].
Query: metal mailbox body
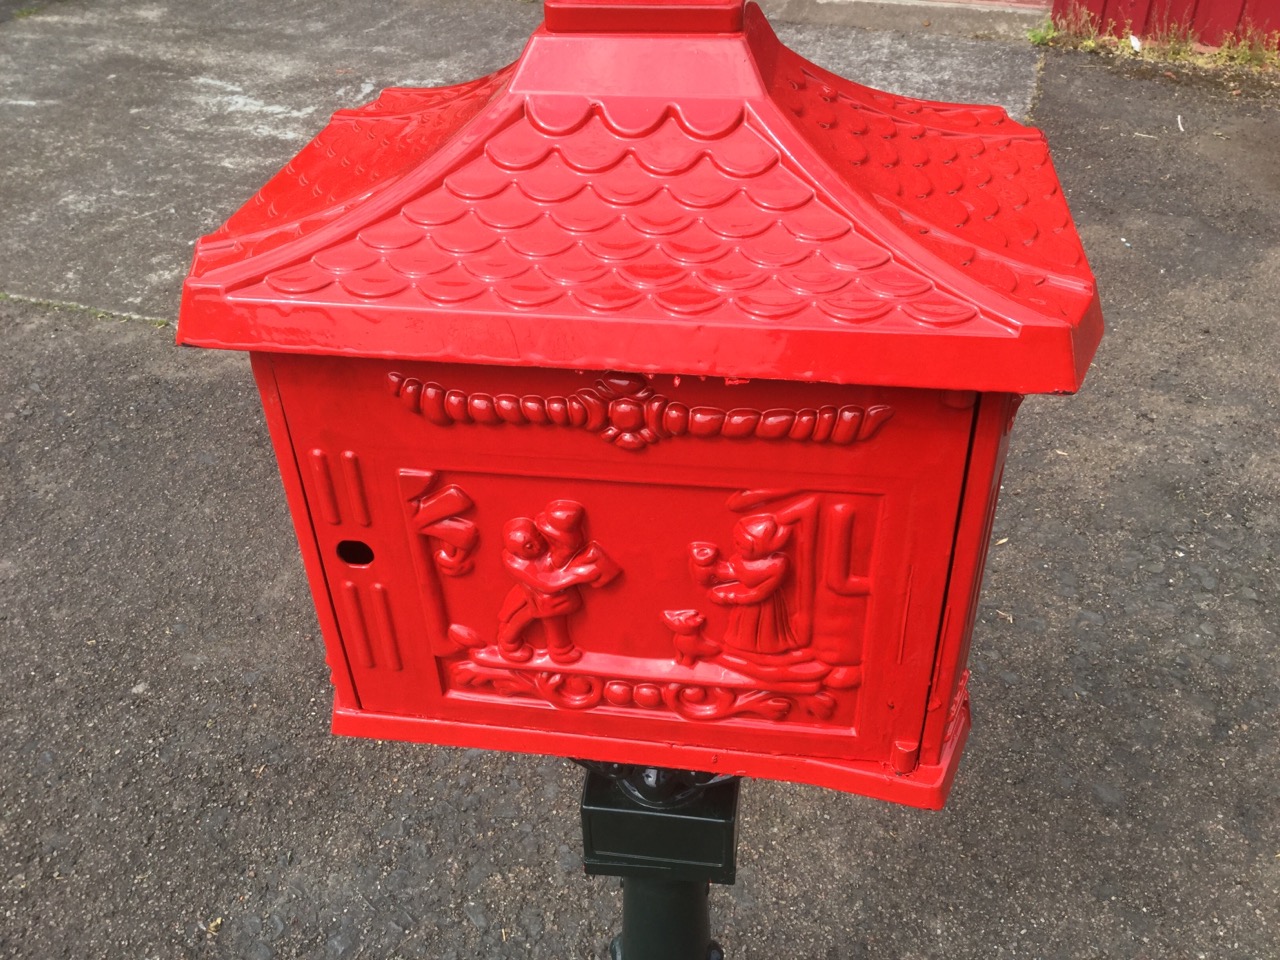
[647, 400]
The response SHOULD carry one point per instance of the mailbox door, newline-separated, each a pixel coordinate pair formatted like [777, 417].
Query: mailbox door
[754, 566]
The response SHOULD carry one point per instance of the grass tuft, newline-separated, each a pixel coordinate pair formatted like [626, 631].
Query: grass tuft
[1250, 47]
[1176, 42]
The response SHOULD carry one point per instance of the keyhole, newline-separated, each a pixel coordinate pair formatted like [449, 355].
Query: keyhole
[355, 552]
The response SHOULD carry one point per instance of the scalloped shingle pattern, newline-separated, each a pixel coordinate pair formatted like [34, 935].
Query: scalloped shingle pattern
[966, 182]
[358, 151]
[574, 208]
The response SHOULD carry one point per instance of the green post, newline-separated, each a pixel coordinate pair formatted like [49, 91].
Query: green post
[669, 834]
[665, 920]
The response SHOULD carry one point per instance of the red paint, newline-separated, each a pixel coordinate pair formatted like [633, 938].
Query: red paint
[753, 546]
[738, 213]
[1209, 21]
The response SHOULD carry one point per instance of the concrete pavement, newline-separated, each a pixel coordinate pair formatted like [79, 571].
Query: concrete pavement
[141, 126]
[168, 785]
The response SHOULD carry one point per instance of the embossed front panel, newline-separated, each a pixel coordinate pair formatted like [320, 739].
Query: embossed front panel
[753, 566]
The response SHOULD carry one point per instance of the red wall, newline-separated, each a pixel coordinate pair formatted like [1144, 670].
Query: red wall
[1210, 19]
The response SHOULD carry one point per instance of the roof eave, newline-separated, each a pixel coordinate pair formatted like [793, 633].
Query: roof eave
[1047, 357]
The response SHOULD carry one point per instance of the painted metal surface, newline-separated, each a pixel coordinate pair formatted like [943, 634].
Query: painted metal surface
[1207, 20]
[660, 425]
[738, 212]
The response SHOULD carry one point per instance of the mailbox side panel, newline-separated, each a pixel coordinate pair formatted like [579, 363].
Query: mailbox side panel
[724, 576]
[949, 698]
[300, 511]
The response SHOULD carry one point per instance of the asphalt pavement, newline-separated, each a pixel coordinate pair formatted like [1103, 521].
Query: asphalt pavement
[168, 785]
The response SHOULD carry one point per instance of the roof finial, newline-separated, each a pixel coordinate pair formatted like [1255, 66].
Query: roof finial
[644, 16]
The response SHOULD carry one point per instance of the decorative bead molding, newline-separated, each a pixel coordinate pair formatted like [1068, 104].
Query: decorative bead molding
[625, 411]
[691, 700]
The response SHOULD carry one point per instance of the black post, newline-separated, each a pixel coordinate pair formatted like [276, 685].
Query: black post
[669, 834]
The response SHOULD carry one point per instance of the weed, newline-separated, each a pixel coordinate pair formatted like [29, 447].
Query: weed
[1250, 47]
[1075, 28]
[1176, 42]
[1045, 34]
[1080, 22]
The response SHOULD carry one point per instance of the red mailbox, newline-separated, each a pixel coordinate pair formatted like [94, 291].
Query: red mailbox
[646, 400]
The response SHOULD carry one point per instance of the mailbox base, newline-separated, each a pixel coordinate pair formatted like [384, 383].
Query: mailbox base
[669, 834]
[926, 786]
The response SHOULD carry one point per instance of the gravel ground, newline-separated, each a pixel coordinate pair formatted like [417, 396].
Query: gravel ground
[169, 788]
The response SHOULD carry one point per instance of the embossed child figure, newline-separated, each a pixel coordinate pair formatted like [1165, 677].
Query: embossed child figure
[550, 559]
[750, 584]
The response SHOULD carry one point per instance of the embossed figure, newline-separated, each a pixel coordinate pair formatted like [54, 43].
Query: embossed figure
[436, 518]
[750, 584]
[550, 558]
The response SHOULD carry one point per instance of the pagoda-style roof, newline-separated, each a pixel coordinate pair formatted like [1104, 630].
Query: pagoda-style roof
[658, 195]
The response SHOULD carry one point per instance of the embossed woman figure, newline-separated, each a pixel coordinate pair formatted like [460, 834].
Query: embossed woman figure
[750, 584]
